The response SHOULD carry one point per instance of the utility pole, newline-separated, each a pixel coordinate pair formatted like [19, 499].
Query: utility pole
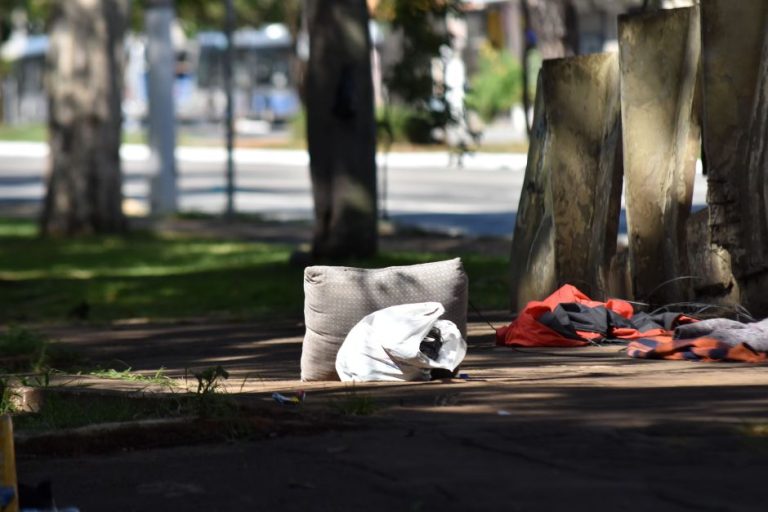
[230, 128]
[162, 117]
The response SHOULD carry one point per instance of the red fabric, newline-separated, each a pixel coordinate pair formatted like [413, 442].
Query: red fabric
[527, 331]
[569, 293]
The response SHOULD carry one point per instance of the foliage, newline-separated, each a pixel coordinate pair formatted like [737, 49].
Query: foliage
[37, 13]
[8, 396]
[193, 14]
[405, 124]
[422, 26]
[209, 400]
[497, 85]
[209, 380]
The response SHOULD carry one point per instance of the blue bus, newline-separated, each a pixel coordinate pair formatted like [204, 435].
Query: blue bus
[23, 88]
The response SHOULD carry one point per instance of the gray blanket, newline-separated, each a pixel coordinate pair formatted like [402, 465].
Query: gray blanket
[730, 332]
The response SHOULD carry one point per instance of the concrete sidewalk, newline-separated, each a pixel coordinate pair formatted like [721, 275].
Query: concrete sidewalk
[290, 157]
[547, 429]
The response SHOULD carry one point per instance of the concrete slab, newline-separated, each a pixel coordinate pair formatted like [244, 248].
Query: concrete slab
[541, 383]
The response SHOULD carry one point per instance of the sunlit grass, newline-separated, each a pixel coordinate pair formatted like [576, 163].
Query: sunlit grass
[141, 275]
[158, 378]
[17, 228]
[32, 132]
[38, 132]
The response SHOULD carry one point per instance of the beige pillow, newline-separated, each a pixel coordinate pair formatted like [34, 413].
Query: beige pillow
[337, 298]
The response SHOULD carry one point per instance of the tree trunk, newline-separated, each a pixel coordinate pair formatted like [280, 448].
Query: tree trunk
[551, 27]
[660, 54]
[341, 129]
[735, 128]
[554, 25]
[568, 216]
[85, 84]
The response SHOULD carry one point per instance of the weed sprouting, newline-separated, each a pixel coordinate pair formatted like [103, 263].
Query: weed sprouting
[208, 395]
[158, 378]
[23, 349]
[354, 403]
[8, 396]
[209, 380]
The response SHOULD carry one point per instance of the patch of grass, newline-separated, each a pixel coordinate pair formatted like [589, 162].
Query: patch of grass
[71, 411]
[23, 350]
[61, 409]
[34, 132]
[756, 430]
[106, 278]
[17, 228]
[38, 132]
[158, 378]
[353, 403]
[210, 397]
[8, 396]
[140, 275]
[26, 351]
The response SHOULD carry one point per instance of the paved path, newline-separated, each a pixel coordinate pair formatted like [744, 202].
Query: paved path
[421, 189]
[551, 429]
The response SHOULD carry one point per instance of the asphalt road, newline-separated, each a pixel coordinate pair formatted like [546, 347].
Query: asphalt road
[416, 189]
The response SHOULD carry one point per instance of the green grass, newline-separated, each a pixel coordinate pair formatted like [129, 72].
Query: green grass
[353, 403]
[23, 132]
[23, 349]
[107, 278]
[71, 411]
[38, 132]
[158, 378]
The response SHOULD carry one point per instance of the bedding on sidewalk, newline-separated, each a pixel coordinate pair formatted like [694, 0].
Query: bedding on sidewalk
[569, 318]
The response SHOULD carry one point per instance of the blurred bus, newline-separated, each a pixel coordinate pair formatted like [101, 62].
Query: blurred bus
[23, 89]
[264, 86]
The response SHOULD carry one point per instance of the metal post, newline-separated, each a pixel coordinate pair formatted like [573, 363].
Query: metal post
[162, 118]
[230, 129]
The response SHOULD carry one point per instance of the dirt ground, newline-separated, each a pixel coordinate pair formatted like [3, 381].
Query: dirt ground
[530, 430]
[547, 429]
[391, 236]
